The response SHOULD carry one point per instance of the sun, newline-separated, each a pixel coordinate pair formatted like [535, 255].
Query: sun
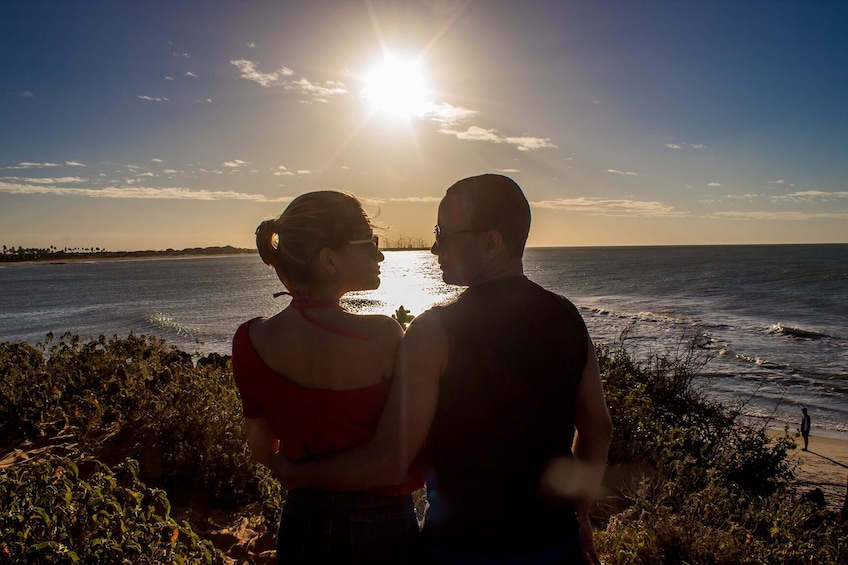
[396, 88]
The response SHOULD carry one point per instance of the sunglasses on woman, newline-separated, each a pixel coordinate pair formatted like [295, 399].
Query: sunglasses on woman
[374, 239]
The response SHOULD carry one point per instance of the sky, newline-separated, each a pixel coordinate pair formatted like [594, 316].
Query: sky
[172, 124]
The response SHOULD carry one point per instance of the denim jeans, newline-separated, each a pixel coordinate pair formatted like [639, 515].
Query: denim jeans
[346, 527]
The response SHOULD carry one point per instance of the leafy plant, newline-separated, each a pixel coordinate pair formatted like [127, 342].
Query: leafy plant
[403, 316]
[52, 514]
[692, 483]
[134, 397]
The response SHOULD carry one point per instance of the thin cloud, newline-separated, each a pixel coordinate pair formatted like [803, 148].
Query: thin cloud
[45, 180]
[475, 133]
[508, 170]
[447, 114]
[373, 200]
[713, 184]
[28, 165]
[679, 146]
[248, 70]
[140, 193]
[776, 181]
[626, 173]
[235, 163]
[27, 94]
[595, 206]
[318, 92]
[169, 78]
[283, 78]
[810, 196]
[152, 98]
[781, 216]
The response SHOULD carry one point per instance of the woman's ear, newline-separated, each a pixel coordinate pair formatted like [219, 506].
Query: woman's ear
[327, 261]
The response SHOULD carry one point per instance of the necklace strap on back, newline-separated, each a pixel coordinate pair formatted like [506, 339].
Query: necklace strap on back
[301, 303]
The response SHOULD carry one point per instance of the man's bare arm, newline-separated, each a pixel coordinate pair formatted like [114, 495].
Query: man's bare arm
[592, 438]
[402, 428]
[591, 446]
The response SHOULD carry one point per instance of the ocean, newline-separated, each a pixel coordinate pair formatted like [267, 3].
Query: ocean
[771, 320]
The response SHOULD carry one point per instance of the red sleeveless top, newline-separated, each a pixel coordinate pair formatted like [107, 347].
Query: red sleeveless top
[312, 422]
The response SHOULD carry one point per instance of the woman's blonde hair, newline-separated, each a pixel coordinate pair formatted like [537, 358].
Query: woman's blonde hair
[311, 222]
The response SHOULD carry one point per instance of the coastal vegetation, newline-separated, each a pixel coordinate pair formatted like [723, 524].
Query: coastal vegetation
[12, 254]
[135, 444]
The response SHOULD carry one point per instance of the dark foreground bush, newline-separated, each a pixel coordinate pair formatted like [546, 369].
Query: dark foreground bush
[135, 397]
[51, 513]
[692, 483]
[689, 481]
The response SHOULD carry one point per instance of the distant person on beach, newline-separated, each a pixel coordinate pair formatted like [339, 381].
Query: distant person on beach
[314, 379]
[495, 384]
[805, 427]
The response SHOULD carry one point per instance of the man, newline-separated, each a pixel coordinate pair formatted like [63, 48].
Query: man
[495, 384]
[805, 428]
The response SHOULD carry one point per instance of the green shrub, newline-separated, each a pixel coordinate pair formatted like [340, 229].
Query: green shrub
[692, 483]
[52, 514]
[135, 397]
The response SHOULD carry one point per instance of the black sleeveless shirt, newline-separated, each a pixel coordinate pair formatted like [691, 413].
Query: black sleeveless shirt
[506, 408]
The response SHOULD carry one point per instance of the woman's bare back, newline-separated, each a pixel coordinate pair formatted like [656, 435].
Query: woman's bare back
[315, 357]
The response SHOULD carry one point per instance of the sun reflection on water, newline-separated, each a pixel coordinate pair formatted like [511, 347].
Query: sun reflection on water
[411, 279]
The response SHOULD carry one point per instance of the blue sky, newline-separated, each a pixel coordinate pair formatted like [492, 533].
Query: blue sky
[148, 125]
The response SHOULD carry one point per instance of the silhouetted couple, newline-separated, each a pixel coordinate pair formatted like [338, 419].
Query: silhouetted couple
[496, 398]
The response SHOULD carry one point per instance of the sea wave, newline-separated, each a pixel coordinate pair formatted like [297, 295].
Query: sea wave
[799, 333]
[161, 321]
[361, 304]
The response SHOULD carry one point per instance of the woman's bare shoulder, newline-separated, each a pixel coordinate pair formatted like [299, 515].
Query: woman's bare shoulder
[383, 326]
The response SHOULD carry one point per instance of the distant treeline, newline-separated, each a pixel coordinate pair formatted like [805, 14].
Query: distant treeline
[52, 253]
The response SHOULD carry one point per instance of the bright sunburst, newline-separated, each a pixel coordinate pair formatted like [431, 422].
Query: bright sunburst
[396, 88]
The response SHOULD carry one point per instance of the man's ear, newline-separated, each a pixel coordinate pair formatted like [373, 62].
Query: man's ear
[327, 261]
[494, 244]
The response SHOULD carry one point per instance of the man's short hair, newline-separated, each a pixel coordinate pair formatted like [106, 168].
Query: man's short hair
[496, 202]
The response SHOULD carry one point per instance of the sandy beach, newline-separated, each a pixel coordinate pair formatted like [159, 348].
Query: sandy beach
[824, 466]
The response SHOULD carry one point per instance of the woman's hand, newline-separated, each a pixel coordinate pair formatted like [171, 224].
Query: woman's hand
[262, 441]
[283, 468]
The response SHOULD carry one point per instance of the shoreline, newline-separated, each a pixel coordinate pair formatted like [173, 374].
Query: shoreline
[94, 259]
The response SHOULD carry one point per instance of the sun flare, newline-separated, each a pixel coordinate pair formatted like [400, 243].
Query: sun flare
[396, 88]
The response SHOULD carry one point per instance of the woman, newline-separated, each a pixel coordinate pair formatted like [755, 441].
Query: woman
[314, 379]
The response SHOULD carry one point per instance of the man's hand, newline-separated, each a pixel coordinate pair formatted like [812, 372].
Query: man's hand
[588, 543]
